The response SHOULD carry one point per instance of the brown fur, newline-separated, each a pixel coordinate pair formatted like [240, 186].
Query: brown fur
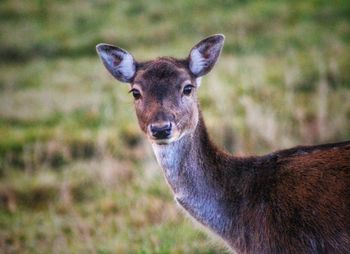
[289, 201]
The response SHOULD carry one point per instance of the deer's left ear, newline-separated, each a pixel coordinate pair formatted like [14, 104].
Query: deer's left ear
[204, 55]
[117, 61]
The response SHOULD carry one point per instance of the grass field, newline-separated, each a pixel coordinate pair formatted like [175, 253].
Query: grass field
[76, 174]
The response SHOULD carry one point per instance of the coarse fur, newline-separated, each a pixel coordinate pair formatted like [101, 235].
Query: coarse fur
[290, 201]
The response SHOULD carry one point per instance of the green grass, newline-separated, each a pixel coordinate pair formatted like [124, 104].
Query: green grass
[76, 174]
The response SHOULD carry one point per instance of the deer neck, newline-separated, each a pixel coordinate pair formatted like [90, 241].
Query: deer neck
[195, 170]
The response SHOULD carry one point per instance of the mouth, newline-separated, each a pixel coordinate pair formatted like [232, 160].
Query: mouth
[164, 141]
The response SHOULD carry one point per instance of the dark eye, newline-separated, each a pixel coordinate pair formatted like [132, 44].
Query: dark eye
[136, 93]
[188, 89]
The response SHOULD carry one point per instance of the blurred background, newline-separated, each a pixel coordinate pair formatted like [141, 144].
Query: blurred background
[76, 174]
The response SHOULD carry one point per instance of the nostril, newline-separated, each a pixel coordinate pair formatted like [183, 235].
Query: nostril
[161, 131]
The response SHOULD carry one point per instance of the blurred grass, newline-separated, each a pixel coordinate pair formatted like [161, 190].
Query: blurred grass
[76, 174]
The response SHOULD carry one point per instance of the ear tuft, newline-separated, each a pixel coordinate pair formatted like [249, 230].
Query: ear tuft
[118, 62]
[204, 55]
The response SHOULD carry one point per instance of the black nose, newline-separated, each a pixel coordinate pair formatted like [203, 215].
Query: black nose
[161, 131]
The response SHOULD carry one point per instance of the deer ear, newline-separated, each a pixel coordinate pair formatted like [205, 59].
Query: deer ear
[203, 56]
[118, 62]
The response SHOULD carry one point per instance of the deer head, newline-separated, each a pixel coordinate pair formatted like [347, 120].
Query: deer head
[164, 89]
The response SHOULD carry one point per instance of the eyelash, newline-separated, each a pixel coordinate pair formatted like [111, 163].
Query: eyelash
[187, 90]
[135, 93]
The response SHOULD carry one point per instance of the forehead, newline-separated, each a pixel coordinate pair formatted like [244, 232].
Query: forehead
[162, 71]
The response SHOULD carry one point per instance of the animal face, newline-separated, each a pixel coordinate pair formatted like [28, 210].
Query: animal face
[165, 89]
[165, 100]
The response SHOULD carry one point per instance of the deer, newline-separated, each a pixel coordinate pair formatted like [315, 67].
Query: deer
[295, 200]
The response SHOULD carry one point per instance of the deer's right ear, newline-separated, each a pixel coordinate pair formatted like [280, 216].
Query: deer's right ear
[118, 62]
[204, 55]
